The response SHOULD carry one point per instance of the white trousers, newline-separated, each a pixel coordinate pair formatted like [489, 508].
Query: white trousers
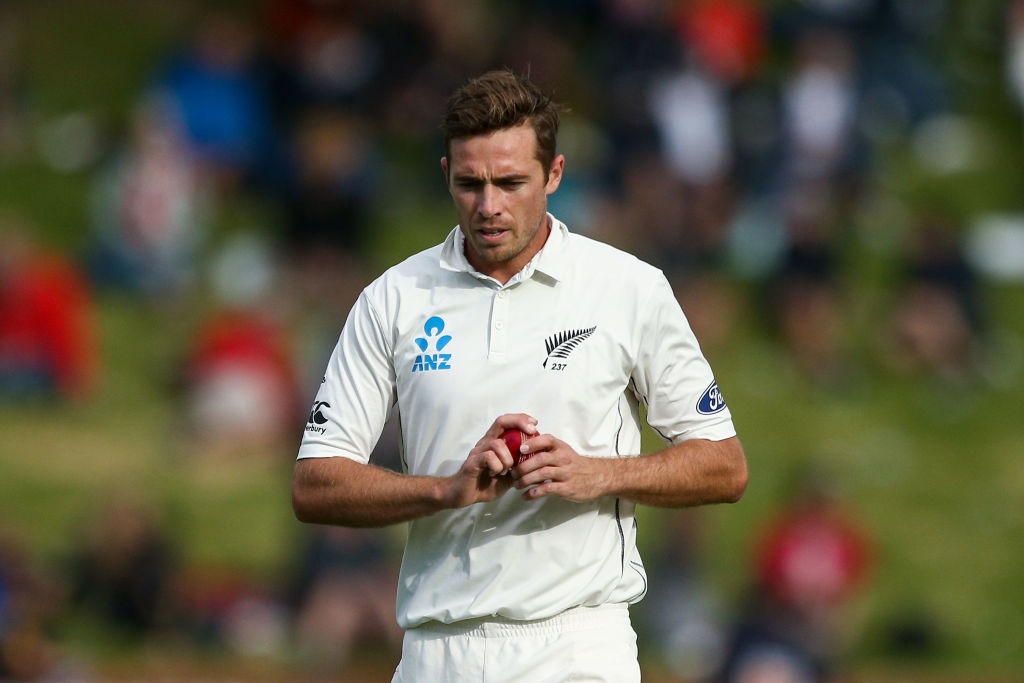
[583, 644]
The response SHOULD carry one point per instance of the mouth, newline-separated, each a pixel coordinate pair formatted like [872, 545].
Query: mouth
[491, 234]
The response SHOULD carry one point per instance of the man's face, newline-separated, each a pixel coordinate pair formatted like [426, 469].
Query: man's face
[500, 192]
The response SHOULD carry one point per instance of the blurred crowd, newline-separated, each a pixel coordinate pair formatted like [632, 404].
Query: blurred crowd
[733, 143]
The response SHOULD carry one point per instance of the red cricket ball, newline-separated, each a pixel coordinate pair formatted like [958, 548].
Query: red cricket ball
[514, 438]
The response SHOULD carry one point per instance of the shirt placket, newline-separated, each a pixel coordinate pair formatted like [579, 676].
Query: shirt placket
[499, 326]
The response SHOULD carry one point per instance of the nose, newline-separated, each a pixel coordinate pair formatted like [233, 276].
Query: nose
[488, 203]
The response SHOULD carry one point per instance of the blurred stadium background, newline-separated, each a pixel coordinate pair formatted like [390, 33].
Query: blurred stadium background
[200, 188]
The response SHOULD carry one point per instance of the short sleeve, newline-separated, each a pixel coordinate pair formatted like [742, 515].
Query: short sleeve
[671, 376]
[357, 393]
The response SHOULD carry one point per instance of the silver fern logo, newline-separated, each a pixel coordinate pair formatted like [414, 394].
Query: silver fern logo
[560, 345]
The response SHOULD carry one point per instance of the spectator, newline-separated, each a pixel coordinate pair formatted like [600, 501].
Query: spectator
[327, 206]
[820, 104]
[1015, 50]
[241, 384]
[150, 210]
[341, 590]
[726, 36]
[809, 562]
[29, 604]
[806, 294]
[47, 336]
[713, 302]
[344, 595]
[225, 608]
[13, 100]
[323, 55]
[638, 42]
[682, 612]
[123, 568]
[218, 88]
[692, 116]
[936, 327]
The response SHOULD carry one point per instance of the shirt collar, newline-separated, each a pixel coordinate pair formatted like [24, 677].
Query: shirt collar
[550, 260]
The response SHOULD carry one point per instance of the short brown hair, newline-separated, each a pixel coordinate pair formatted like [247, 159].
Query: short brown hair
[498, 100]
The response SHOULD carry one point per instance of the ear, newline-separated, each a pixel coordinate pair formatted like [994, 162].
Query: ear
[444, 169]
[555, 174]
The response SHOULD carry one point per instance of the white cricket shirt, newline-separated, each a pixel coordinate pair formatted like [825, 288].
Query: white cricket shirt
[578, 339]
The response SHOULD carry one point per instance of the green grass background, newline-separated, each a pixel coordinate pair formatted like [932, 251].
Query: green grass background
[934, 470]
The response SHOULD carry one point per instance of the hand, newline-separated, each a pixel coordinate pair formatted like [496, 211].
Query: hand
[556, 469]
[481, 477]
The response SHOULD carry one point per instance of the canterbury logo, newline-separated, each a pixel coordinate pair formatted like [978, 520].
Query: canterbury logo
[316, 418]
[562, 344]
[316, 415]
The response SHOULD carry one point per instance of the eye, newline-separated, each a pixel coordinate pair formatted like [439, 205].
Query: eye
[468, 184]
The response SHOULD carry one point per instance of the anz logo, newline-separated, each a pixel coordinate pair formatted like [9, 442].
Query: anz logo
[711, 401]
[431, 345]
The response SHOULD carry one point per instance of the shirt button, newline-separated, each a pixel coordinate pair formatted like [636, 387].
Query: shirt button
[502, 294]
[499, 325]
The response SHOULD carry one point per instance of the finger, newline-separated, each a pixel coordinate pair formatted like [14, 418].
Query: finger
[536, 455]
[522, 421]
[502, 452]
[496, 466]
[542, 475]
[535, 491]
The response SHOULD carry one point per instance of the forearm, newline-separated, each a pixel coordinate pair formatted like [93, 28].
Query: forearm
[343, 492]
[696, 472]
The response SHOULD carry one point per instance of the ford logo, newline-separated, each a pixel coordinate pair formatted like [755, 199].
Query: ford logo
[711, 401]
